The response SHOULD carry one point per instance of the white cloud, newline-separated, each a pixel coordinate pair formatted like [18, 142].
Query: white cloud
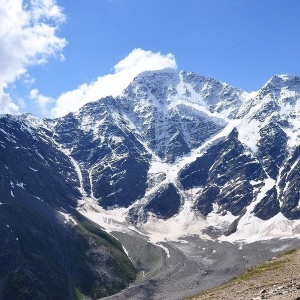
[6, 105]
[28, 36]
[113, 84]
[42, 101]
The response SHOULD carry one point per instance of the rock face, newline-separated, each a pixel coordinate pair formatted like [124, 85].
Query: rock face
[166, 203]
[173, 140]
[120, 151]
[225, 175]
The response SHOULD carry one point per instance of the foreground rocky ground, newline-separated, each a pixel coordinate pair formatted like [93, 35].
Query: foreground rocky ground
[278, 278]
[176, 270]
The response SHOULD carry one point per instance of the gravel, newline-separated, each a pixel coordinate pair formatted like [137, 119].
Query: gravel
[194, 264]
[279, 278]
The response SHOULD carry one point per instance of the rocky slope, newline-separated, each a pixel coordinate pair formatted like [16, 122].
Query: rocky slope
[276, 279]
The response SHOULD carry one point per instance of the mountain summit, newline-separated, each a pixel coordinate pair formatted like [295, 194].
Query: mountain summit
[172, 134]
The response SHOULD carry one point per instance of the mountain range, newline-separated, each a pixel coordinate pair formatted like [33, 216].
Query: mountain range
[176, 153]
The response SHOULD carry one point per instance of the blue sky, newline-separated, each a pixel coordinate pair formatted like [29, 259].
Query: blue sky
[242, 42]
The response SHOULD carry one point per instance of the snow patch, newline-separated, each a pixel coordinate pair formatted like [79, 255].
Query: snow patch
[68, 218]
[164, 248]
[254, 229]
[124, 249]
[38, 198]
[21, 185]
[110, 220]
[79, 174]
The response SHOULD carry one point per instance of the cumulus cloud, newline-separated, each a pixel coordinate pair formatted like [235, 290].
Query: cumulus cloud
[6, 105]
[43, 102]
[113, 84]
[28, 36]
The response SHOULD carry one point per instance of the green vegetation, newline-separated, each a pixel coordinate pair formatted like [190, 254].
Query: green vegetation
[268, 266]
[44, 258]
[78, 294]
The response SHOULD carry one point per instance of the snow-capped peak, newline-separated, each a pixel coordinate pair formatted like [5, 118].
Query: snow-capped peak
[279, 82]
[177, 142]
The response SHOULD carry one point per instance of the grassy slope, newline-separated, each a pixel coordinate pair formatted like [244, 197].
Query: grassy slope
[41, 257]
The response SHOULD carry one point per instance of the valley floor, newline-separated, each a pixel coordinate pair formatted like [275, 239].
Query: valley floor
[176, 270]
